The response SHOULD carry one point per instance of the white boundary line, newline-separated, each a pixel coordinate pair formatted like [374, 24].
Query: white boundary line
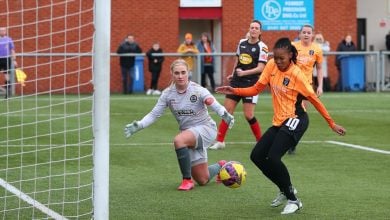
[31, 201]
[358, 147]
[247, 142]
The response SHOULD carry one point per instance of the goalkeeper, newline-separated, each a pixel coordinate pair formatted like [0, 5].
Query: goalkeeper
[188, 103]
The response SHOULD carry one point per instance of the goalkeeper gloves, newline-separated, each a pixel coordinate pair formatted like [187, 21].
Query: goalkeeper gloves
[228, 118]
[132, 128]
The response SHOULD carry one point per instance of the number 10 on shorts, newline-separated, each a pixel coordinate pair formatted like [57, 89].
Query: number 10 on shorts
[292, 123]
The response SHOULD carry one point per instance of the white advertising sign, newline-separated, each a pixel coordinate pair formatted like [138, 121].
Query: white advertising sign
[200, 3]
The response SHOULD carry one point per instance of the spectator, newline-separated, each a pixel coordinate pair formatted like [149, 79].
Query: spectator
[127, 63]
[155, 65]
[388, 43]
[252, 55]
[7, 58]
[345, 45]
[205, 45]
[188, 103]
[325, 46]
[188, 49]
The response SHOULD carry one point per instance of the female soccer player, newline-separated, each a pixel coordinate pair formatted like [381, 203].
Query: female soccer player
[309, 57]
[188, 103]
[252, 54]
[288, 87]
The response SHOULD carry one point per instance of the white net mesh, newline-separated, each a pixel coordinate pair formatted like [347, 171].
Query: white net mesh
[46, 142]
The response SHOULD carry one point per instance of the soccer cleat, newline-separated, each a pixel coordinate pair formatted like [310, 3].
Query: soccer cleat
[156, 92]
[217, 145]
[292, 207]
[149, 92]
[280, 199]
[218, 178]
[186, 185]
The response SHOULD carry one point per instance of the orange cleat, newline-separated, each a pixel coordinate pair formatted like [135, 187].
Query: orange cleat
[186, 185]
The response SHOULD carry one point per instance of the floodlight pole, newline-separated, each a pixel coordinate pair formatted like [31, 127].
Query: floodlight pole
[101, 108]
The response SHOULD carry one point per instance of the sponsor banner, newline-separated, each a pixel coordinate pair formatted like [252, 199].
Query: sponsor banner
[284, 14]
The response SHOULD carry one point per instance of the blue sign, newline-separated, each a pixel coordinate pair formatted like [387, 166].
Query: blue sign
[284, 14]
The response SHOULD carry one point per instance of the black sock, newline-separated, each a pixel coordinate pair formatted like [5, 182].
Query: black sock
[289, 193]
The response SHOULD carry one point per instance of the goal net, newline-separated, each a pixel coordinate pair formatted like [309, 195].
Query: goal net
[46, 124]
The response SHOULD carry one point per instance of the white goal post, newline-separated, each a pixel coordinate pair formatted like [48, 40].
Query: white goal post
[54, 126]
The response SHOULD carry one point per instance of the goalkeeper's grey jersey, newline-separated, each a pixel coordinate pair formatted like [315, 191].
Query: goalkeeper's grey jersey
[188, 108]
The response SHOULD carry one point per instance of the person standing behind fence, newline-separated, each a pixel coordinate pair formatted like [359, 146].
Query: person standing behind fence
[387, 38]
[127, 63]
[155, 66]
[205, 45]
[188, 49]
[325, 46]
[345, 45]
[252, 55]
[7, 58]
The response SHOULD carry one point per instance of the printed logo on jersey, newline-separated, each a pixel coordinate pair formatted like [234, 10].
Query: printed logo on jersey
[193, 98]
[253, 49]
[171, 101]
[286, 81]
[245, 58]
[185, 112]
[311, 52]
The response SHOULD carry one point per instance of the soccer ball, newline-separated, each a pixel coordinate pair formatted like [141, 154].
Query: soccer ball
[232, 174]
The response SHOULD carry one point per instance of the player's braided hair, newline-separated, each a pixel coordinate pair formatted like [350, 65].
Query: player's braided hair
[285, 43]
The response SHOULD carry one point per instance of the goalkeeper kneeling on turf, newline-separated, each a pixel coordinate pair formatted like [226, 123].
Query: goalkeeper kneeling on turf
[188, 102]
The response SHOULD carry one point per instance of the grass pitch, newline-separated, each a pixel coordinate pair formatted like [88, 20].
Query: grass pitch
[336, 177]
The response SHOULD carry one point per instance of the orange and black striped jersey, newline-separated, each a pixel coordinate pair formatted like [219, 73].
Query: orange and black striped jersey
[286, 88]
[308, 57]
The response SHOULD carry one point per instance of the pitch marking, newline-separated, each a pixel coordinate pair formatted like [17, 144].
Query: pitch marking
[31, 201]
[358, 147]
[309, 142]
